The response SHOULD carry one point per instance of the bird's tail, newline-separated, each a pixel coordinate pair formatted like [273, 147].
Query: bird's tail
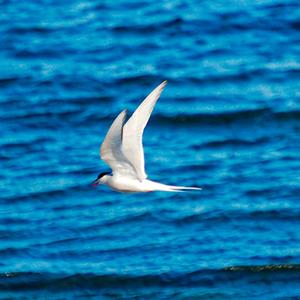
[175, 188]
[172, 188]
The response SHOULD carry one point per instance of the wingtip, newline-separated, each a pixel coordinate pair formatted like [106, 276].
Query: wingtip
[162, 85]
[123, 114]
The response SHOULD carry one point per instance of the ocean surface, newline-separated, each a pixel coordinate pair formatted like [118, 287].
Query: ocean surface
[228, 121]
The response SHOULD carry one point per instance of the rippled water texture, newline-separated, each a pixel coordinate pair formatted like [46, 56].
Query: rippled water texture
[228, 121]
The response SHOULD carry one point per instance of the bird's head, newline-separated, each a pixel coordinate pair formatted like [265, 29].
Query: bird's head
[102, 177]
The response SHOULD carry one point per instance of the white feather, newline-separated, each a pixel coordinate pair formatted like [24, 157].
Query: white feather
[110, 150]
[132, 143]
[122, 150]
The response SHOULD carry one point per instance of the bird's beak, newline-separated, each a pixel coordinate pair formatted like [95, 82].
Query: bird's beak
[95, 183]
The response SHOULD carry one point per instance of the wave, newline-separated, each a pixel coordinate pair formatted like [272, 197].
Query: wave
[36, 280]
[264, 268]
[232, 142]
[216, 118]
[230, 116]
[72, 111]
[46, 114]
[139, 79]
[148, 28]
[6, 81]
[29, 30]
[46, 194]
[217, 216]
[29, 144]
[47, 54]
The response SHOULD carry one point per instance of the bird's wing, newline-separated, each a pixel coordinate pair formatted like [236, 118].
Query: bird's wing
[110, 150]
[132, 146]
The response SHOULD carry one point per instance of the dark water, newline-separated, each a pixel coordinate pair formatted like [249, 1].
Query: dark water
[228, 121]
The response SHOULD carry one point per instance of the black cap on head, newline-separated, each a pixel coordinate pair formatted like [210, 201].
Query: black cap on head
[102, 174]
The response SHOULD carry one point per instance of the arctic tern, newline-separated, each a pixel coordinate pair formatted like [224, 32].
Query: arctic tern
[122, 150]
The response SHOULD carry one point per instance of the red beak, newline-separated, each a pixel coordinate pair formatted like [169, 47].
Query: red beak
[94, 183]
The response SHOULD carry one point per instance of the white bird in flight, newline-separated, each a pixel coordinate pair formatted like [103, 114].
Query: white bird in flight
[122, 150]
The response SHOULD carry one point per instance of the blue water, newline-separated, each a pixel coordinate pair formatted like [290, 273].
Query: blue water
[228, 121]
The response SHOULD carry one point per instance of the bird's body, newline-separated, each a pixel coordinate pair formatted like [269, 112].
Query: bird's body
[122, 150]
[131, 185]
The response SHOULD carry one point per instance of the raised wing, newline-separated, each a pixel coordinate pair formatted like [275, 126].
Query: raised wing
[110, 150]
[132, 145]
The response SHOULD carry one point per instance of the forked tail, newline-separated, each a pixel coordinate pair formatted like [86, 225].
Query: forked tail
[175, 188]
[172, 188]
